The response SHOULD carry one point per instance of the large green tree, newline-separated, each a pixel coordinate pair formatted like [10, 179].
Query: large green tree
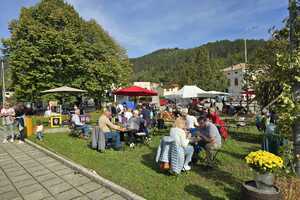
[51, 45]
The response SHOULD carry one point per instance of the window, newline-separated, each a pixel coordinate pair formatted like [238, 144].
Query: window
[228, 73]
[236, 82]
[235, 72]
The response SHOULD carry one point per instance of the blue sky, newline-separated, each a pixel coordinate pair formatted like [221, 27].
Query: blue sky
[143, 26]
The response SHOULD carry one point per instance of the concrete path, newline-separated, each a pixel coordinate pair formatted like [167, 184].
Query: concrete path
[29, 174]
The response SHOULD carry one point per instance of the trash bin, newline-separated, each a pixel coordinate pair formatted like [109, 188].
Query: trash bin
[28, 126]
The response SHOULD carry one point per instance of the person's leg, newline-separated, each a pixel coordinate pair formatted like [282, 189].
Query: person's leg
[116, 139]
[22, 135]
[188, 152]
[85, 130]
[6, 133]
[11, 132]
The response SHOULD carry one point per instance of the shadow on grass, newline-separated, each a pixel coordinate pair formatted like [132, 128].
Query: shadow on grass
[222, 179]
[149, 160]
[201, 192]
[246, 137]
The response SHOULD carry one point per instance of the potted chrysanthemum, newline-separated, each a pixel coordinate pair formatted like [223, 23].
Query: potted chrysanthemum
[265, 164]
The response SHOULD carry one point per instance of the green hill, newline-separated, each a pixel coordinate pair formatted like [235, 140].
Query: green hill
[200, 65]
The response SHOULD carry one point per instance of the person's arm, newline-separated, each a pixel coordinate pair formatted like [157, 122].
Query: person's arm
[183, 139]
[113, 126]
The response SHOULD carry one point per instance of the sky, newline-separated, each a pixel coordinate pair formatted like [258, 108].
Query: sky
[143, 26]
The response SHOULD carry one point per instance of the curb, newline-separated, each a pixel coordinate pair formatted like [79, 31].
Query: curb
[112, 186]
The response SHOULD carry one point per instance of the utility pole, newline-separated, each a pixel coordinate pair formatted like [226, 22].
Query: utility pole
[3, 82]
[247, 89]
[296, 84]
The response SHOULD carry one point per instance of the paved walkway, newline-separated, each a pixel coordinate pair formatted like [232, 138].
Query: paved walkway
[29, 174]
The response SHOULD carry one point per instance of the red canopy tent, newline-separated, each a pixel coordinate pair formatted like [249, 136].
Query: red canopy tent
[135, 91]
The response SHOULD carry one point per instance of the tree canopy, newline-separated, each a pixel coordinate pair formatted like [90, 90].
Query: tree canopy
[51, 45]
[201, 65]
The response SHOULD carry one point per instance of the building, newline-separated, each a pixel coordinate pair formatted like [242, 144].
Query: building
[235, 75]
[170, 89]
[151, 86]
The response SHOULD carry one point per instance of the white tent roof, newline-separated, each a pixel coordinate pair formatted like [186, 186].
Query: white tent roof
[63, 89]
[211, 94]
[189, 91]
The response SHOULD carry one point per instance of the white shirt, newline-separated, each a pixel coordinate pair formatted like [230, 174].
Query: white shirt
[39, 128]
[120, 107]
[128, 115]
[179, 136]
[76, 120]
[191, 121]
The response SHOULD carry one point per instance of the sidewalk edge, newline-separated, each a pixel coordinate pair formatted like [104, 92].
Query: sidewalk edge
[112, 186]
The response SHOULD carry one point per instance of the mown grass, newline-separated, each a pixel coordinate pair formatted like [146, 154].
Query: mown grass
[136, 170]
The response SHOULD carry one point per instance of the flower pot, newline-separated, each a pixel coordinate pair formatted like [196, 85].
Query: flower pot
[264, 181]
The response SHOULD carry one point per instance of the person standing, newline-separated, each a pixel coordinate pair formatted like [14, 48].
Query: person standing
[191, 122]
[20, 116]
[8, 114]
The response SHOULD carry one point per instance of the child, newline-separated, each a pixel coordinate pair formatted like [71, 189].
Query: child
[39, 131]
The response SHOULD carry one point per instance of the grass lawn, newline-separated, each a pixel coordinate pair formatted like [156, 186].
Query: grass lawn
[136, 170]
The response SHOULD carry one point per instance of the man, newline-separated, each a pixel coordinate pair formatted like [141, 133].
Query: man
[209, 134]
[76, 119]
[134, 126]
[109, 129]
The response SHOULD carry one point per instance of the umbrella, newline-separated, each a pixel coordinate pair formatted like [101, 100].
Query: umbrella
[63, 89]
[135, 91]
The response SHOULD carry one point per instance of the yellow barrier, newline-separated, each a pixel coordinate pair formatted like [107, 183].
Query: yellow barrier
[28, 126]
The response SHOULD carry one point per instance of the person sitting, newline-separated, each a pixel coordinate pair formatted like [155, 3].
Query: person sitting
[39, 130]
[215, 118]
[180, 136]
[134, 126]
[109, 129]
[191, 122]
[84, 127]
[210, 138]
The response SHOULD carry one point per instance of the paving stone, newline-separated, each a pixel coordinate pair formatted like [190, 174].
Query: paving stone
[6, 188]
[115, 197]
[25, 183]
[37, 195]
[9, 195]
[20, 178]
[70, 194]
[46, 177]
[4, 182]
[12, 169]
[51, 182]
[40, 172]
[58, 188]
[100, 194]
[76, 179]
[16, 173]
[30, 189]
[64, 172]
[49, 198]
[89, 187]
[52, 164]
[81, 198]
[59, 167]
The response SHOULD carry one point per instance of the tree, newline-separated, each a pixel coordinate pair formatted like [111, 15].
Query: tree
[51, 45]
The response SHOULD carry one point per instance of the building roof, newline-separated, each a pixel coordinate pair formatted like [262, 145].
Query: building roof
[235, 67]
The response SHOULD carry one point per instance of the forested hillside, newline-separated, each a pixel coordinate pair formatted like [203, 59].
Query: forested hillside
[200, 65]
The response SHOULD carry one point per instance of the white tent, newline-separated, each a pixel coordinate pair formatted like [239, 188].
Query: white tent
[188, 91]
[212, 94]
[63, 89]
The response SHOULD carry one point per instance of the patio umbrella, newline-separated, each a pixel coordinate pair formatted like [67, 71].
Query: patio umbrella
[63, 89]
[135, 91]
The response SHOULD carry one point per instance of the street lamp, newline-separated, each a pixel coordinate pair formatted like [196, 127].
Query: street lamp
[3, 81]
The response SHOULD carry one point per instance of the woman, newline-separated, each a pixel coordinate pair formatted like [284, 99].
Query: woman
[180, 135]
